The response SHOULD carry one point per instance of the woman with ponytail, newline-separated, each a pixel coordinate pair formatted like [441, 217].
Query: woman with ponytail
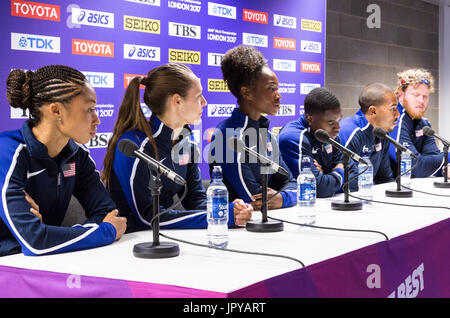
[174, 95]
[44, 163]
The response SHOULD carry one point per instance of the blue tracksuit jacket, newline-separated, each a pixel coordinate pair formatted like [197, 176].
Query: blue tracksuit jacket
[129, 184]
[424, 147]
[356, 133]
[51, 182]
[296, 140]
[243, 177]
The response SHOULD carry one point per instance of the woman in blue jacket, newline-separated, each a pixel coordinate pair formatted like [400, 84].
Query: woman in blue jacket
[174, 95]
[43, 164]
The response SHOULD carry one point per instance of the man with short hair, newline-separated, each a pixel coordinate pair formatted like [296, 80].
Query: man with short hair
[413, 90]
[297, 140]
[378, 109]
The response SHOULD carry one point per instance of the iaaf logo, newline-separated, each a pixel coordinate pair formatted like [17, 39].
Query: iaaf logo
[100, 140]
[34, 42]
[35, 10]
[286, 110]
[95, 48]
[141, 52]
[93, 18]
[305, 88]
[311, 46]
[255, 39]
[284, 21]
[215, 59]
[255, 16]
[310, 67]
[287, 44]
[185, 30]
[284, 65]
[287, 88]
[102, 80]
[221, 10]
[149, 2]
[220, 110]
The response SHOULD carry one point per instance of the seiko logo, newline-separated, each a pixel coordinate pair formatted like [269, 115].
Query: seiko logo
[311, 25]
[286, 110]
[220, 110]
[281, 43]
[92, 18]
[149, 2]
[185, 30]
[255, 39]
[221, 10]
[217, 85]
[103, 80]
[305, 88]
[284, 65]
[35, 10]
[95, 48]
[310, 67]
[255, 16]
[183, 56]
[311, 46]
[284, 21]
[141, 24]
[141, 52]
[215, 59]
[34, 42]
[99, 141]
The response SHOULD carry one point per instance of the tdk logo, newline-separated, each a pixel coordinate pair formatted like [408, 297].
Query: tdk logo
[284, 65]
[185, 30]
[311, 46]
[33, 42]
[92, 18]
[221, 10]
[305, 88]
[220, 110]
[284, 21]
[102, 80]
[215, 59]
[255, 39]
[141, 52]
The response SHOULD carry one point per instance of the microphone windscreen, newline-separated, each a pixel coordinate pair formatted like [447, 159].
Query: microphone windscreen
[428, 131]
[322, 135]
[235, 144]
[379, 132]
[127, 147]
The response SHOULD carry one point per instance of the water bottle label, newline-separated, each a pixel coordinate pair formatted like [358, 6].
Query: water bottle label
[405, 166]
[219, 208]
[307, 192]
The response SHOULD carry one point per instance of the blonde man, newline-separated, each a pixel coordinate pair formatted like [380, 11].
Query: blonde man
[413, 90]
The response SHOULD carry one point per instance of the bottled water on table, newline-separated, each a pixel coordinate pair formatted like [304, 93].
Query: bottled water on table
[217, 210]
[406, 166]
[306, 193]
[365, 180]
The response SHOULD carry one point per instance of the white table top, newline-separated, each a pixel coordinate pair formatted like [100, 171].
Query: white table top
[220, 271]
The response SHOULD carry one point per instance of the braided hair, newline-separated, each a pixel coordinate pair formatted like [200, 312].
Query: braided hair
[49, 84]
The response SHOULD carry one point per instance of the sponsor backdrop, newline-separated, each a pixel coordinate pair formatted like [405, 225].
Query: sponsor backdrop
[113, 41]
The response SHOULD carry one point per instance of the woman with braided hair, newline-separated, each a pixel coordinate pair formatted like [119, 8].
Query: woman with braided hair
[44, 163]
[174, 95]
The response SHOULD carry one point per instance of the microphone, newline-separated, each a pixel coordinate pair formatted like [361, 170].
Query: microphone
[380, 133]
[430, 132]
[130, 149]
[238, 145]
[323, 136]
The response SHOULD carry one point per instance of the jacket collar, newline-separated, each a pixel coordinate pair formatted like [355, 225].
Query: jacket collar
[241, 120]
[162, 132]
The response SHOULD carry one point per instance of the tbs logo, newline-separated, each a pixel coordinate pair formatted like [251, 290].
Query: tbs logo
[140, 52]
[185, 30]
[92, 18]
[99, 141]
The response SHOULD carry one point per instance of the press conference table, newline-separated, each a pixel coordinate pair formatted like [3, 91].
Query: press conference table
[414, 262]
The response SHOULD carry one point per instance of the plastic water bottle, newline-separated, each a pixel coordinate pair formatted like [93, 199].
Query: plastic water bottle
[406, 166]
[217, 214]
[306, 193]
[365, 180]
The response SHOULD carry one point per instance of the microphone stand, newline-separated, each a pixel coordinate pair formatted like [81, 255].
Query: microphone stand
[444, 184]
[156, 249]
[346, 205]
[399, 193]
[264, 225]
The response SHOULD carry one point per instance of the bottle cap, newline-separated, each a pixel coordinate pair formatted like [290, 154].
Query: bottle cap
[217, 172]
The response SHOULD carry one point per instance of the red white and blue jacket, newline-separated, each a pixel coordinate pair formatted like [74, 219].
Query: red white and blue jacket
[51, 182]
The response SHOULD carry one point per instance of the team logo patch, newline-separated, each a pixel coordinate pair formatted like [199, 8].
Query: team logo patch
[378, 147]
[328, 148]
[184, 160]
[69, 170]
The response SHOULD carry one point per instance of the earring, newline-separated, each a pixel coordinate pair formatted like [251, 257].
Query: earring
[59, 118]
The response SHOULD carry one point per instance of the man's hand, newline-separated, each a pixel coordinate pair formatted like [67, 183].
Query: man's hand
[318, 166]
[34, 207]
[275, 203]
[242, 212]
[119, 222]
[339, 165]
